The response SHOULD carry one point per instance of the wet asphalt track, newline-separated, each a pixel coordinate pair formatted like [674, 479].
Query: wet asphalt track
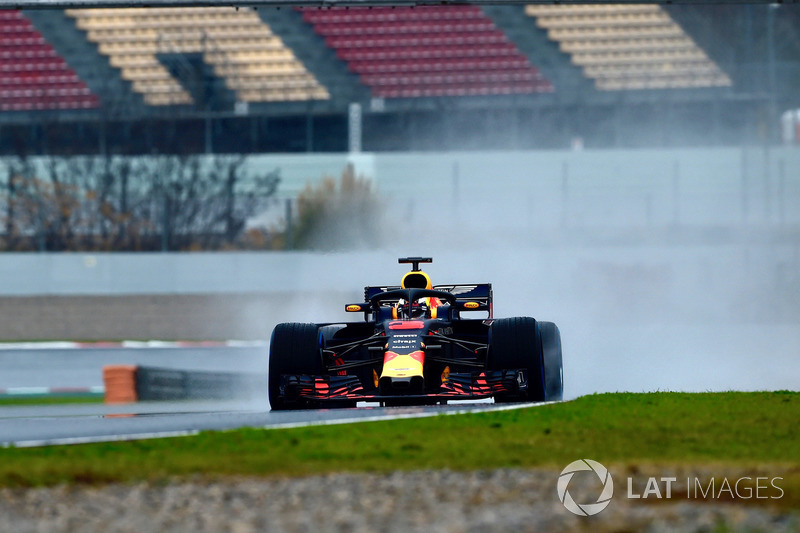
[636, 358]
[82, 368]
[22, 426]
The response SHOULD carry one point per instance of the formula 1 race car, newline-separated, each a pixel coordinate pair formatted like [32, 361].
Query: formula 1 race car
[414, 347]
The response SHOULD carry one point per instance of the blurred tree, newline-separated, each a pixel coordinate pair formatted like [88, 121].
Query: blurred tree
[116, 203]
[343, 217]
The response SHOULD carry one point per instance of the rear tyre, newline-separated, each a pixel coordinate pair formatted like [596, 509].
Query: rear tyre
[551, 357]
[515, 343]
[293, 349]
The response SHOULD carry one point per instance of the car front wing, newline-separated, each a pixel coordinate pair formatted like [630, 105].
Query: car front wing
[460, 386]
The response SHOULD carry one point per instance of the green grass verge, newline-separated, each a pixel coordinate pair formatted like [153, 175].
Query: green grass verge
[733, 429]
[50, 399]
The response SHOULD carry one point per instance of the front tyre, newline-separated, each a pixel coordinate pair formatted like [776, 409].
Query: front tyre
[535, 347]
[293, 349]
[514, 344]
[551, 358]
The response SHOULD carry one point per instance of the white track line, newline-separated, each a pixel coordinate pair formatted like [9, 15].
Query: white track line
[38, 391]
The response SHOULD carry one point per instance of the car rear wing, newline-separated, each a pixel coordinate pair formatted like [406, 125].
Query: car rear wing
[469, 297]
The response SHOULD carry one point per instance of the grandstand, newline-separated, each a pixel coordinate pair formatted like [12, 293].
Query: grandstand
[429, 51]
[160, 50]
[222, 79]
[628, 47]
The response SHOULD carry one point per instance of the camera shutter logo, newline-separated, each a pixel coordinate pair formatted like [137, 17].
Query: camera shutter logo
[585, 509]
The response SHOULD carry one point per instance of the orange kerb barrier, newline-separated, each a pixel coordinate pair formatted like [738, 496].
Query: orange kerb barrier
[120, 383]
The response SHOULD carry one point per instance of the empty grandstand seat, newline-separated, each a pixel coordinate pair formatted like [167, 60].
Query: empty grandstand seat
[32, 75]
[628, 46]
[426, 51]
[236, 44]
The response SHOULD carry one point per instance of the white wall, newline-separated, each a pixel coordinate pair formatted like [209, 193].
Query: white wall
[616, 188]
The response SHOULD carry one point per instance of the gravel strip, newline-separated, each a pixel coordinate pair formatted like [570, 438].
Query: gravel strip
[422, 501]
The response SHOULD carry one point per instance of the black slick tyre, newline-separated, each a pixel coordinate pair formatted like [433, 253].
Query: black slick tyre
[293, 349]
[514, 343]
[553, 365]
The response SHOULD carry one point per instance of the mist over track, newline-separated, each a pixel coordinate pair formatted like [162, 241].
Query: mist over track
[664, 271]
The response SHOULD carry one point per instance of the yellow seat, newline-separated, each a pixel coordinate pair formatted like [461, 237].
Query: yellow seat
[236, 43]
[628, 46]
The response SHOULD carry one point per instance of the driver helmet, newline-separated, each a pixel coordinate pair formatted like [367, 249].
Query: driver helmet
[416, 279]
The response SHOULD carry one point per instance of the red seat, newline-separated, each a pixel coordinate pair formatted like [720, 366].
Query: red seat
[460, 89]
[404, 27]
[388, 54]
[10, 15]
[418, 39]
[386, 14]
[451, 78]
[439, 64]
[36, 64]
[32, 75]
[426, 51]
